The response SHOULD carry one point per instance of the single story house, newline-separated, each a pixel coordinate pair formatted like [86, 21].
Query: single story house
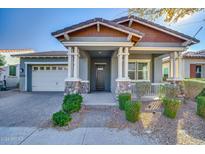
[104, 55]
[193, 65]
[10, 71]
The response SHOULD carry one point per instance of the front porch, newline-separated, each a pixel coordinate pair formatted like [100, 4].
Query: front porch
[117, 69]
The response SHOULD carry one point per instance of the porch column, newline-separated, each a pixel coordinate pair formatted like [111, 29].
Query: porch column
[126, 54]
[120, 53]
[76, 63]
[69, 62]
[174, 65]
[180, 65]
[171, 65]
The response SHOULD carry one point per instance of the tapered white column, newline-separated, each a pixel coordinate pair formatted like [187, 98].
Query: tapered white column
[171, 65]
[174, 65]
[76, 63]
[69, 62]
[120, 53]
[126, 54]
[180, 66]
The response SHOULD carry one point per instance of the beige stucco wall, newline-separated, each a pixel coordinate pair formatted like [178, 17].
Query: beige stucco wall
[12, 81]
[186, 66]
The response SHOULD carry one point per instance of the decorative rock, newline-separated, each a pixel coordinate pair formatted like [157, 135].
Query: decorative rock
[123, 87]
[72, 87]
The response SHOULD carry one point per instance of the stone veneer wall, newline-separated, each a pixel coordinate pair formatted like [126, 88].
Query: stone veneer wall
[76, 87]
[123, 87]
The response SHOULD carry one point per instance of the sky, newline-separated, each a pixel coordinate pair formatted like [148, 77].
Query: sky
[32, 28]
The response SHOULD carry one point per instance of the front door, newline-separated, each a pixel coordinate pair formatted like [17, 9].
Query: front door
[100, 77]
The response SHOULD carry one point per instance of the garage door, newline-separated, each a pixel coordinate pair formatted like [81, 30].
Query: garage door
[49, 78]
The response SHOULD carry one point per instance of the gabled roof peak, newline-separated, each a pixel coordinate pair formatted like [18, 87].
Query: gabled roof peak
[94, 21]
[156, 26]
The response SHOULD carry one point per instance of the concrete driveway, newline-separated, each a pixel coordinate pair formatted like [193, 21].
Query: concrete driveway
[19, 109]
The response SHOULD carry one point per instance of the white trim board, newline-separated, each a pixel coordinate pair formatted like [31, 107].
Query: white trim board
[158, 48]
[111, 44]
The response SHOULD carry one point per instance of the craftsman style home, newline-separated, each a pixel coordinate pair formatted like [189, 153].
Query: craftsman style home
[105, 55]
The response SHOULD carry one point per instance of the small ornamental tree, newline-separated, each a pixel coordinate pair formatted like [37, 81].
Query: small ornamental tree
[2, 60]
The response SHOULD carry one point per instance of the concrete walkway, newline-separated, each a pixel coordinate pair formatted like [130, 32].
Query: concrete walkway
[99, 98]
[87, 136]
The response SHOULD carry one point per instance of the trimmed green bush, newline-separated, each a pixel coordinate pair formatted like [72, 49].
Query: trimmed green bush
[132, 111]
[171, 107]
[123, 98]
[72, 103]
[202, 93]
[73, 97]
[201, 106]
[61, 118]
[193, 87]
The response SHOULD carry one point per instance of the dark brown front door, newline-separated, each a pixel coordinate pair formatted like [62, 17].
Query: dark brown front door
[100, 77]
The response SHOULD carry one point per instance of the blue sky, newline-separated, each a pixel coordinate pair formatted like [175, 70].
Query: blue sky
[31, 28]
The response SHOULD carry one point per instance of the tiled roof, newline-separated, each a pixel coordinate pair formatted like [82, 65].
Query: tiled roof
[158, 26]
[45, 54]
[111, 23]
[15, 50]
[196, 54]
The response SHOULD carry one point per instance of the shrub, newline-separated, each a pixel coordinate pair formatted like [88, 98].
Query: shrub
[73, 97]
[123, 98]
[61, 118]
[168, 91]
[72, 103]
[142, 88]
[132, 111]
[202, 93]
[193, 87]
[171, 107]
[201, 106]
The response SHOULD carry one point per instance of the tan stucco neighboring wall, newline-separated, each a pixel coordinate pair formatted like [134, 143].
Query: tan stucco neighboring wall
[187, 63]
[186, 66]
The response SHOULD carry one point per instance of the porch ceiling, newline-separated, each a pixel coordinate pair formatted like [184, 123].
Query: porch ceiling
[99, 54]
[97, 48]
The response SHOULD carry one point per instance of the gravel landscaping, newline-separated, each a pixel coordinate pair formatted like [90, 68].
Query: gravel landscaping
[187, 128]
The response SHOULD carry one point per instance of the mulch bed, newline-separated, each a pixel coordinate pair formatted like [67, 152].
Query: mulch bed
[186, 128]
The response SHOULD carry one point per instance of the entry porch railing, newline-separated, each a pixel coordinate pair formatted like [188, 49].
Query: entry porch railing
[151, 90]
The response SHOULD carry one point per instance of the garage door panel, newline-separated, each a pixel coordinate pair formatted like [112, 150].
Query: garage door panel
[48, 80]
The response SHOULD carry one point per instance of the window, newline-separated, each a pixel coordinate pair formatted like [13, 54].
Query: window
[48, 68]
[198, 71]
[53, 68]
[138, 70]
[65, 68]
[12, 70]
[35, 68]
[60, 68]
[165, 73]
[41, 68]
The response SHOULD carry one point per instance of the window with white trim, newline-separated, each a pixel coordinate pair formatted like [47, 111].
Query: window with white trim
[138, 70]
[12, 70]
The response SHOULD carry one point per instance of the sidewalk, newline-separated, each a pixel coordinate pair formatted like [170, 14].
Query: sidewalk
[87, 136]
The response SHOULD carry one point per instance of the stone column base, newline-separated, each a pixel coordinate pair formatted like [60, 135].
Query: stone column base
[78, 86]
[179, 83]
[123, 86]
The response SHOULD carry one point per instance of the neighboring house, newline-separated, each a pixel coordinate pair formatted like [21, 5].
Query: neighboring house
[11, 68]
[104, 55]
[193, 65]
